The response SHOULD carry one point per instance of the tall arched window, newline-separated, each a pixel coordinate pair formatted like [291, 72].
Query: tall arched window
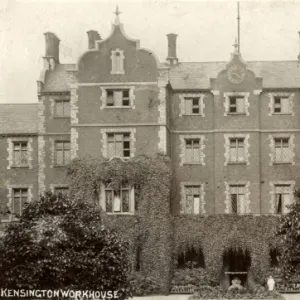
[117, 62]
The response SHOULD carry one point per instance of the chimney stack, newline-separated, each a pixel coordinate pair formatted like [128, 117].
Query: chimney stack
[52, 50]
[93, 36]
[172, 56]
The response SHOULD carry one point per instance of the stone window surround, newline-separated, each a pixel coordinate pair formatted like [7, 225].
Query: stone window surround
[244, 208]
[183, 198]
[227, 137]
[10, 151]
[272, 96]
[227, 102]
[53, 107]
[182, 98]
[272, 192]
[112, 57]
[291, 138]
[10, 188]
[131, 200]
[103, 97]
[182, 139]
[130, 130]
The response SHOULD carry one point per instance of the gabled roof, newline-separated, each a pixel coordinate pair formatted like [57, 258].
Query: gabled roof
[18, 118]
[196, 75]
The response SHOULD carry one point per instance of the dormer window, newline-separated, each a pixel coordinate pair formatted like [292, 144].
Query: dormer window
[117, 62]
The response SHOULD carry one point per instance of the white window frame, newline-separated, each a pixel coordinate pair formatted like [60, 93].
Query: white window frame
[244, 95]
[131, 211]
[114, 68]
[186, 96]
[131, 131]
[115, 88]
[227, 153]
[289, 96]
[291, 138]
[54, 153]
[242, 207]
[183, 201]
[273, 185]
[183, 138]
[10, 150]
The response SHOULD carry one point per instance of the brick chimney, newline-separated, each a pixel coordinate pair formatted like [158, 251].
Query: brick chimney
[51, 57]
[93, 36]
[172, 56]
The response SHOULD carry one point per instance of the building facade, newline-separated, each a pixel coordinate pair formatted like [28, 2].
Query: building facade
[231, 129]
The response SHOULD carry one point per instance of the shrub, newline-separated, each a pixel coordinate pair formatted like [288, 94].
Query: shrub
[60, 243]
[142, 285]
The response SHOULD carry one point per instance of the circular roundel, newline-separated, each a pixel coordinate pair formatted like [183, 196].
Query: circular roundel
[236, 74]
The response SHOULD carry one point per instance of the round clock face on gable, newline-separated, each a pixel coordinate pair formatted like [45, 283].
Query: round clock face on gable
[236, 74]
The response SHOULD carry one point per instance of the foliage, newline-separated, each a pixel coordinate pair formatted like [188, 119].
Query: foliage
[60, 242]
[187, 277]
[142, 285]
[253, 233]
[208, 292]
[150, 228]
[289, 233]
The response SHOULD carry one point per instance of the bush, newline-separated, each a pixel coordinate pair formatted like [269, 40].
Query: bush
[195, 277]
[60, 243]
[142, 285]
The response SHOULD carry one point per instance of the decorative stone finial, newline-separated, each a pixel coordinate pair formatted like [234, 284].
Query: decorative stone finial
[117, 12]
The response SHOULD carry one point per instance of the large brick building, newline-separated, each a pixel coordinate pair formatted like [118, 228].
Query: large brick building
[231, 129]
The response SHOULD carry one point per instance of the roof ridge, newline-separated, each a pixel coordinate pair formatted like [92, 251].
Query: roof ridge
[31, 103]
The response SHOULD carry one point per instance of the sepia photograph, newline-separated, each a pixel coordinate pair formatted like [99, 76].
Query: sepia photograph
[149, 150]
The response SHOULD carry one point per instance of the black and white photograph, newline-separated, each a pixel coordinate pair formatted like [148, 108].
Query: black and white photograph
[149, 150]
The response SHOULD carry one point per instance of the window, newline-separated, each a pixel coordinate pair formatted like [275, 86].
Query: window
[62, 108]
[192, 151]
[192, 199]
[281, 105]
[237, 197]
[117, 60]
[61, 190]
[237, 150]
[283, 153]
[237, 104]
[118, 98]
[118, 145]
[118, 201]
[192, 106]
[20, 154]
[62, 153]
[191, 259]
[19, 200]
[282, 198]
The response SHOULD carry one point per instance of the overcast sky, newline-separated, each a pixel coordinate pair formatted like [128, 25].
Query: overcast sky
[206, 32]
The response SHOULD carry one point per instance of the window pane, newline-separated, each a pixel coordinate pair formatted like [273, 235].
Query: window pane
[234, 203]
[109, 200]
[278, 203]
[67, 157]
[117, 201]
[59, 108]
[278, 155]
[196, 155]
[125, 201]
[24, 158]
[118, 97]
[240, 154]
[196, 204]
[189, 154]
[66, 108]
[286, 201]
[119, 149]
[110, 98]
[17, 158]
[59, 157]
[195, 110]
[286, 154]
[110, 150]
[233, 154]
[188, 106]
[195, 102]
[240, 102]
[285, 105]
[189, 204]
[125, 94]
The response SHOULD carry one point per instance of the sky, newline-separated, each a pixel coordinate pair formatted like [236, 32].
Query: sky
[206, 32]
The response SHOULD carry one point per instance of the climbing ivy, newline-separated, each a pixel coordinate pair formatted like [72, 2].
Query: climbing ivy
[150, 228]
[218, 233]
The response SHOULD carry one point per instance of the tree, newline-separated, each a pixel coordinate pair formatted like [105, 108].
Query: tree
[60, 243]
[289, 233]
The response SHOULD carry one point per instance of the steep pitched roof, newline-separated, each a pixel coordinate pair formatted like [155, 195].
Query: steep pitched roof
[59, 79]
[275, 74]
[18, 118]
[196, 75]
